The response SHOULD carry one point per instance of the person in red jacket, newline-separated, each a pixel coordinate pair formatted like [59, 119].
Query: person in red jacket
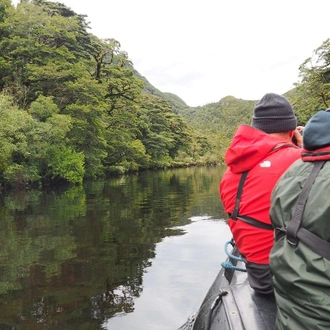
[258, 155]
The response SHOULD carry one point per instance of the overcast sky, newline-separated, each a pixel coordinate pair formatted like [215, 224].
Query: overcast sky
[204, 50]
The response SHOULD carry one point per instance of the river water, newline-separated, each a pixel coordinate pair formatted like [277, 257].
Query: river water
[135, 252]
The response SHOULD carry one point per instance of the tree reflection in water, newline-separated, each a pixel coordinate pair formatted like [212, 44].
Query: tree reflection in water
[74, 257]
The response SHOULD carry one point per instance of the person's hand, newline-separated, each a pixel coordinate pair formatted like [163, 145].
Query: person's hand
[297, 133]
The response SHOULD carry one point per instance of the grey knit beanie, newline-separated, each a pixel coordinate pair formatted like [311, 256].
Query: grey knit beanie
[274, 114]
[317, 131]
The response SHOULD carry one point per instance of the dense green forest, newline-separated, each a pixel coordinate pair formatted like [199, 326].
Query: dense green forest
[72, 106]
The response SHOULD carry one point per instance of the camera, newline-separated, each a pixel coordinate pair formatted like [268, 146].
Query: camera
[294, 140]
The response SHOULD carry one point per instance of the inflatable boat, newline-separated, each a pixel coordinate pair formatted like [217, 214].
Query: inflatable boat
[231, 304]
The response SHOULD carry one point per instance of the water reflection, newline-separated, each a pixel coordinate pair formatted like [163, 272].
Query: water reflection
[75, 257]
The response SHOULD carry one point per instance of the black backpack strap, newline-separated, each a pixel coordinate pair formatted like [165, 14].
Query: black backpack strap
[315, 243]
[295, 222]
[236, 216]
[239, 195]
[251, 221]
[255, 223]
[294, 232]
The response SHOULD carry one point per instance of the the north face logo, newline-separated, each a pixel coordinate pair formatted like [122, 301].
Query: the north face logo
[265, 163]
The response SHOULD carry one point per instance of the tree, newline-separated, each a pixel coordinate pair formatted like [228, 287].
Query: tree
[162, 132]
[41, 51]
[106, 52]
[312, 92]
[123, 88]
[14, 143]
[34, 150]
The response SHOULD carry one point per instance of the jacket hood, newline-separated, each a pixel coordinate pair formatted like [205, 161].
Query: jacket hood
[249, 147]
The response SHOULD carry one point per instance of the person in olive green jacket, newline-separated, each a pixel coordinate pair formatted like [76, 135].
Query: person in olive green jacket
[300, 213]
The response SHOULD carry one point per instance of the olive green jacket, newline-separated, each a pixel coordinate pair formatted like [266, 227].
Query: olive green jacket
[301, 278]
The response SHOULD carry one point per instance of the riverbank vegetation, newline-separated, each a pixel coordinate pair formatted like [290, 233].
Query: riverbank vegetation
[72, 106]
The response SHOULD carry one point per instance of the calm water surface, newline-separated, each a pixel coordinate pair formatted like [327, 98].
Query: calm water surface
[136, 252]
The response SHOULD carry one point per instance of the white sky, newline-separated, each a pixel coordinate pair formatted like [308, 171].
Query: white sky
[204, 50]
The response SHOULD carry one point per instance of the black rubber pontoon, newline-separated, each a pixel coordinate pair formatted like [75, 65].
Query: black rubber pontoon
[231, 304]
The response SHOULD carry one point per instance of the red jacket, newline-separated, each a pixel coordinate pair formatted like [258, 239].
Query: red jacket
[266, 158]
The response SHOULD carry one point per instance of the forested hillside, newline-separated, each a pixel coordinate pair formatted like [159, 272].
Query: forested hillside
[72, 106]
[175, 102]
[219, 121]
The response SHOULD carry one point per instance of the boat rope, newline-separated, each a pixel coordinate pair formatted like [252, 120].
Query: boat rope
[217, 298]
[228, 264]
[215, 303]
[209, 312]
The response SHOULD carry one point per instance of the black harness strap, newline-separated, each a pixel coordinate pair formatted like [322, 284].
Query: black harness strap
[295, 223]
[294, 231]
[315, 243]
[236, 216]
[251, 221]
[255, 223]
[239, 195]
